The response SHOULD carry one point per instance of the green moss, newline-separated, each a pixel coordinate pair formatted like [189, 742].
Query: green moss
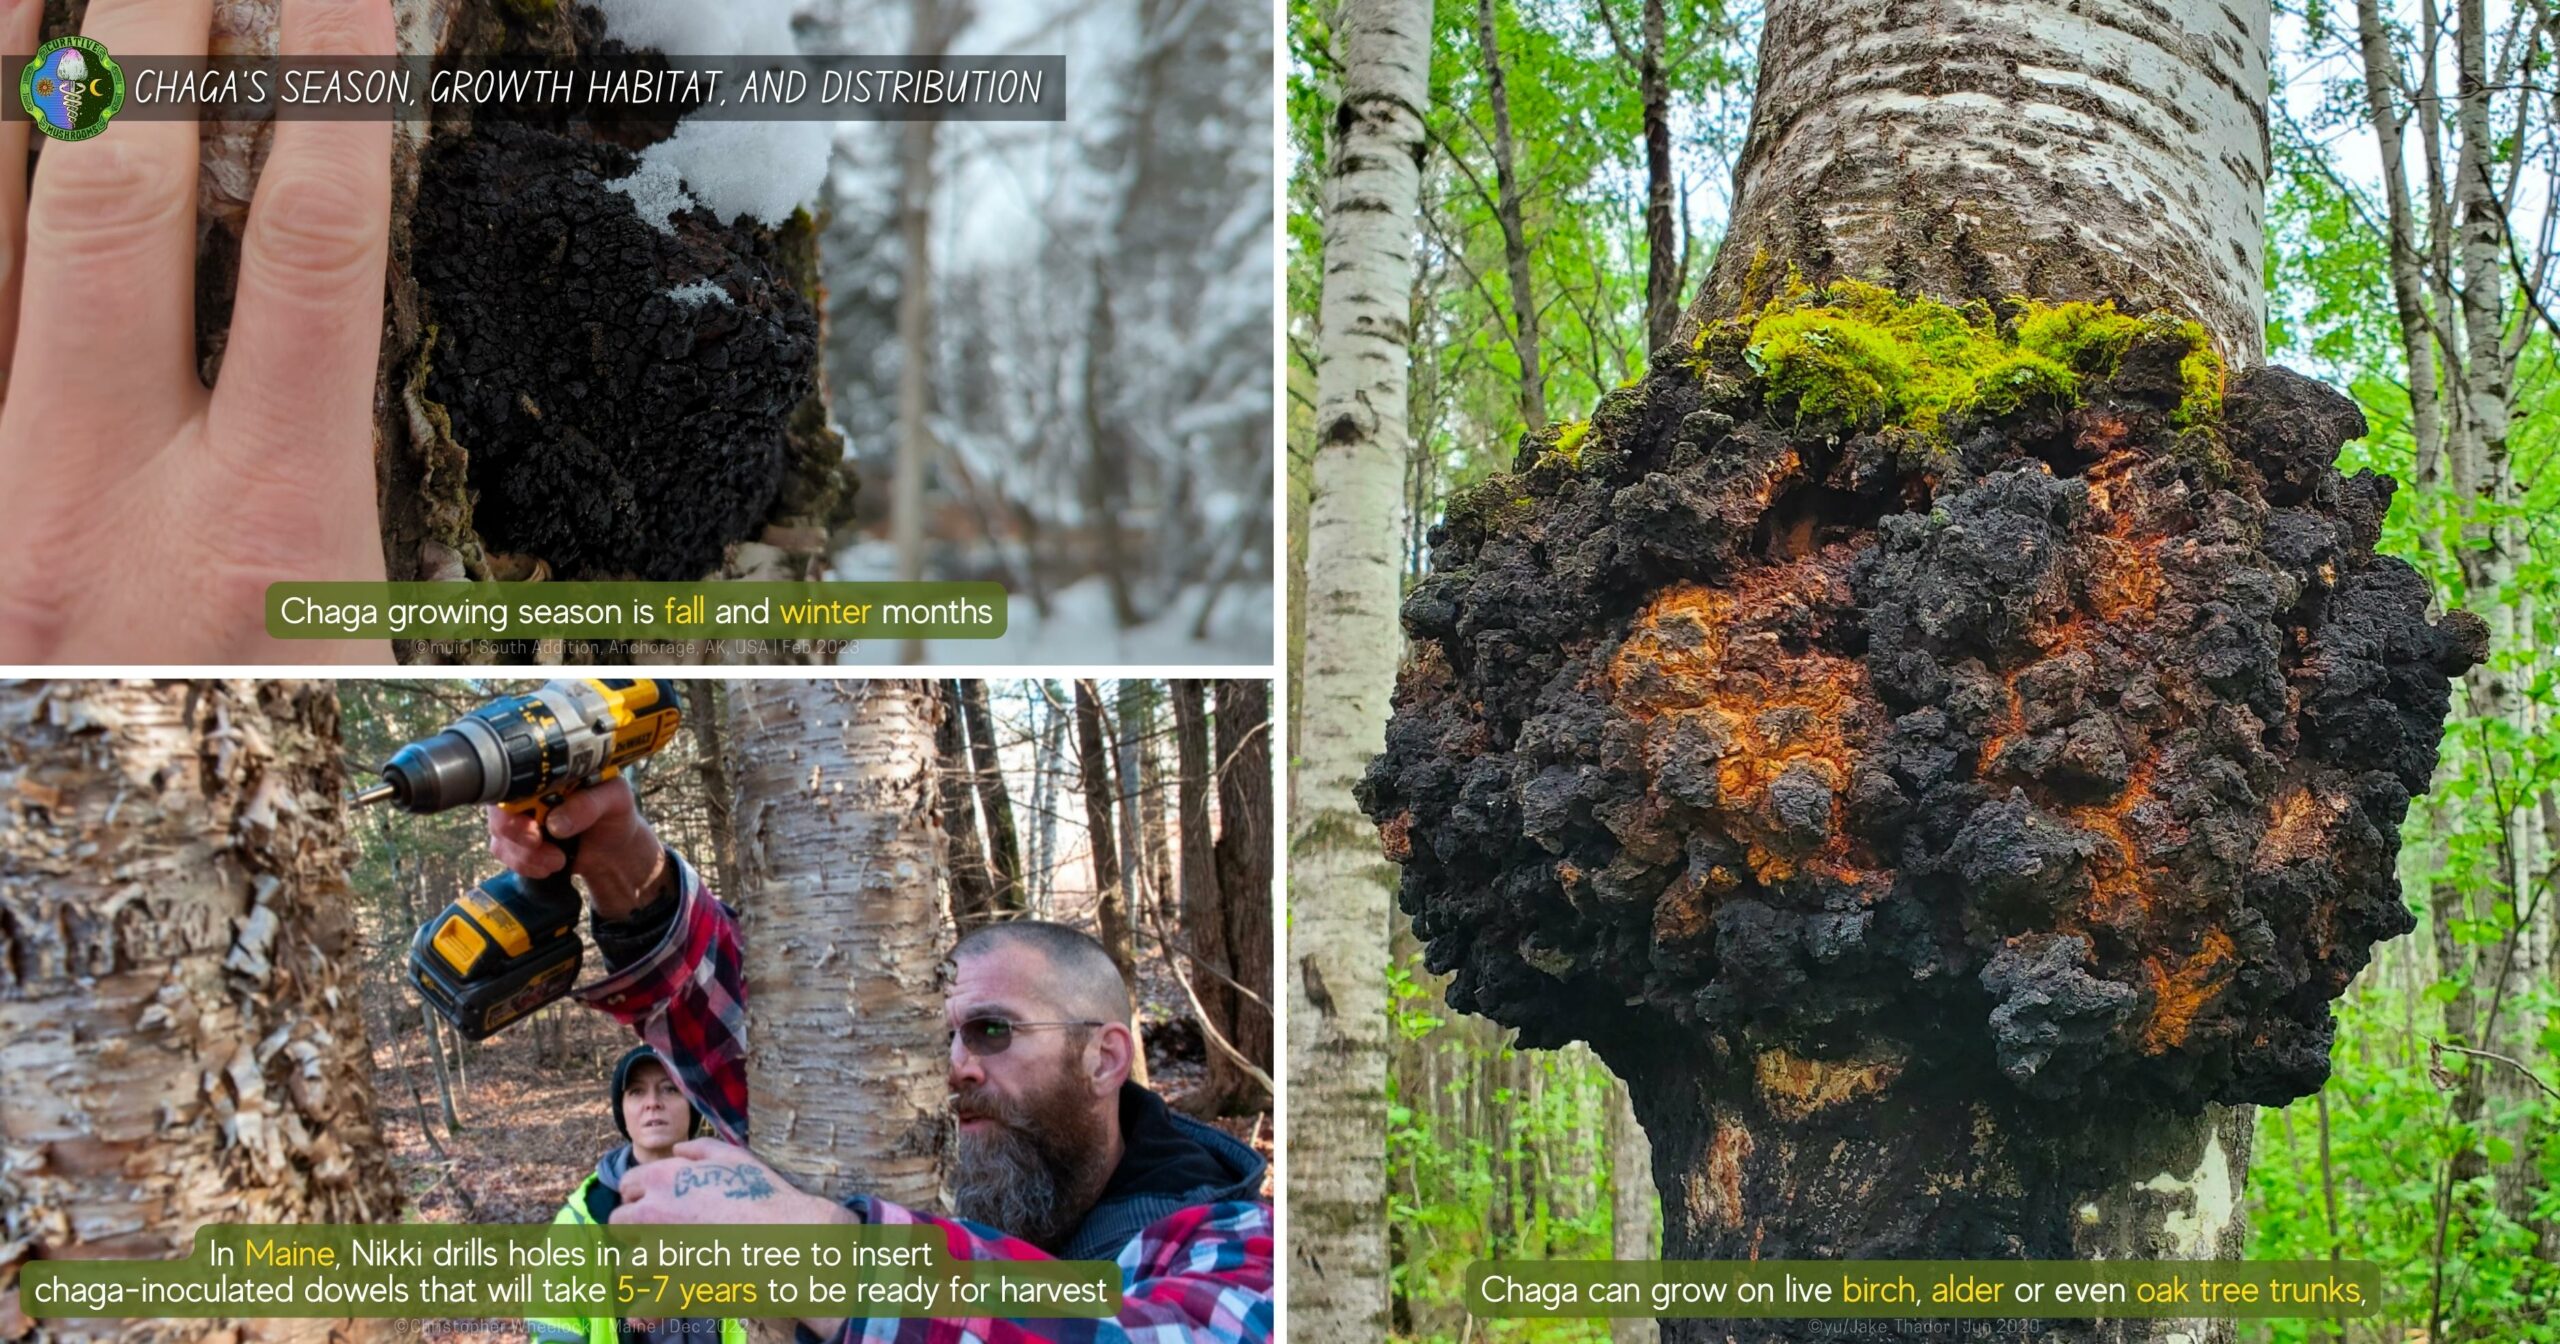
[2086, 338]
[1566, 447]
[1869, 358]
[2202, 372]
[531, 11]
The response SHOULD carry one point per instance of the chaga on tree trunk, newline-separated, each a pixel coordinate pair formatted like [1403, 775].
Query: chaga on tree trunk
[1919, 747]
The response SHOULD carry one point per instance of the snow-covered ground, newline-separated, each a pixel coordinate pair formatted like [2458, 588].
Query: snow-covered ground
[1079, 630]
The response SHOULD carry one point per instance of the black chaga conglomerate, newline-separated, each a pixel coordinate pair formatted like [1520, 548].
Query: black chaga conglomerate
[614, 430]
[2068, 747]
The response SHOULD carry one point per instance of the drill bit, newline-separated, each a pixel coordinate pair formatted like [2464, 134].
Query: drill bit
[379, 793]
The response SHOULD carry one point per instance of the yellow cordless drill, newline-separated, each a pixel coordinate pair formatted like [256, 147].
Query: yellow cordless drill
[510, 945]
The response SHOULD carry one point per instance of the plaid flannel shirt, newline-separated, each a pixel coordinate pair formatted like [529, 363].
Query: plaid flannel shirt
[1199, 1276]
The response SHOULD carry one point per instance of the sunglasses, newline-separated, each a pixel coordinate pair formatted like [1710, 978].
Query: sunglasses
[984, 1036]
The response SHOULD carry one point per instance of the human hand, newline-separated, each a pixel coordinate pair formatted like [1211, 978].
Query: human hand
[141, 516]
[618, 855]
[708, 1181]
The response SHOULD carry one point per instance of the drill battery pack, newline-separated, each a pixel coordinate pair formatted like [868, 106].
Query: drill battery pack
[502, 950]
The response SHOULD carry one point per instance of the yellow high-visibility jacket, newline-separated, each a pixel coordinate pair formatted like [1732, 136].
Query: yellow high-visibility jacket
[598, 1329]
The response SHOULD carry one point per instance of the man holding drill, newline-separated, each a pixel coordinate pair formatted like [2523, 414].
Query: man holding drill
[1058, 1154]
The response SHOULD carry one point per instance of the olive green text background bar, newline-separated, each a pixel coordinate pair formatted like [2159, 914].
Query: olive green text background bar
[420, 1271]
[1843, 1289]
[652, 611]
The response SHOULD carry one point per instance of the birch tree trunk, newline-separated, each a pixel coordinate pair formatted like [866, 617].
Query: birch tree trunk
[1339, 895]
[2103, 149]
[1048, 766]
[1630, 1205]
[1984, 148]
[180, 1036]
[929, 35]
[843, 931]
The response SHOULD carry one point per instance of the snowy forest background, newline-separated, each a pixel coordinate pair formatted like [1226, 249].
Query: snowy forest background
[1090, 421]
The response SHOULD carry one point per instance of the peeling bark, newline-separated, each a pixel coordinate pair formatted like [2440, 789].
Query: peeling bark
[180, 1037]
[843, 930]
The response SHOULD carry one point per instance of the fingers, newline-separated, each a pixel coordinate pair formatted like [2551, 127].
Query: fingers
[21, 23]
[586, 808]
[517, 841]
[712, 1150]
[109, 299]
[640, 1186]
[297, 381]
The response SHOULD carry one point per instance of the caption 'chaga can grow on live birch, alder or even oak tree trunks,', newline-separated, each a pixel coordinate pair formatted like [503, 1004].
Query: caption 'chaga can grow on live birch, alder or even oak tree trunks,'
[1892, 719]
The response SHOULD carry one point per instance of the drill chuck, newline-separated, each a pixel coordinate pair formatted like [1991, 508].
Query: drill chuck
[463, 765]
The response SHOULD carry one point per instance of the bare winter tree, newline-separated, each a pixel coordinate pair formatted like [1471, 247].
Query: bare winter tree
[1241, 863]
[180, 1036]
[843, 930]
[995, 801]
[1338, 941]
[972, 890]
[1114, 891]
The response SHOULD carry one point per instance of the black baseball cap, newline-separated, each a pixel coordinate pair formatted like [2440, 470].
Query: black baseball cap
[641, 1054]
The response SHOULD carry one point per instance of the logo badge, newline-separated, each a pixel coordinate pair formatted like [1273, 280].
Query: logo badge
[71, 88]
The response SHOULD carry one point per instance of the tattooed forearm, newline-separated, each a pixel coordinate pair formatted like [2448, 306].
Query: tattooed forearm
[738, 1181]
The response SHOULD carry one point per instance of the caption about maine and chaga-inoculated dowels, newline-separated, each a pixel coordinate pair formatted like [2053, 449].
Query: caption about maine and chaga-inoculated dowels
[628, 610]
[1845, 1289]
[419, 1271]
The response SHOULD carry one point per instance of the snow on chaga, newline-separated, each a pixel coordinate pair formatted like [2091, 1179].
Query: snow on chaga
[2000, 686]
[614, 429]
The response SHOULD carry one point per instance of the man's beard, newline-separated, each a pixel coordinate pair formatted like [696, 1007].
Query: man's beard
[1036, 1171]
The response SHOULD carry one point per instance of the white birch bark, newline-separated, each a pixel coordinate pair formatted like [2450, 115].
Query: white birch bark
[2094, 149]
[1340, 885]
[1631, 1232]
[843, 931]
[2084, 150]
[180, 1037]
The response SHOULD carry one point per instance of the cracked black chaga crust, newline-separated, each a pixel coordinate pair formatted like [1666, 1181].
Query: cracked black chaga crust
[2074, 749]
[613, 431]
